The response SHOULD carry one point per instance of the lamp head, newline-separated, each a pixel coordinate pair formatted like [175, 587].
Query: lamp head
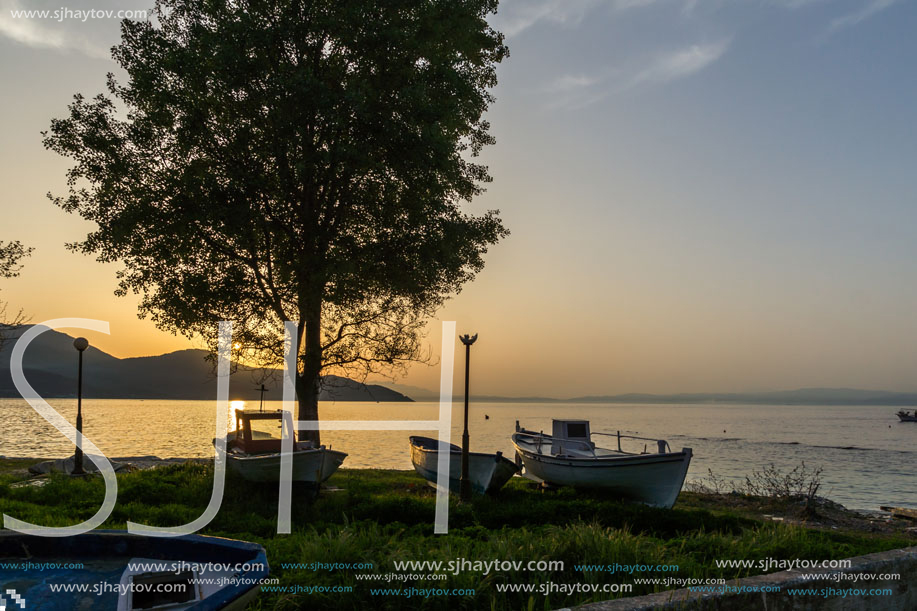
[81, 343]
[468, 339]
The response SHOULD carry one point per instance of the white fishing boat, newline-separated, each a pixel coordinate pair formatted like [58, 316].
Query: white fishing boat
[487, 472]
[253, 451]
[906, 417]
[568, 457]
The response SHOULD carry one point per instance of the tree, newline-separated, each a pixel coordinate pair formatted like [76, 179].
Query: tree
[300, 160]
[11, 254]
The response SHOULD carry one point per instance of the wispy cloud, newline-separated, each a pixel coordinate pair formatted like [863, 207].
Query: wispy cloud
[34, 32]
[626, 4]
[516, 16]
[794, 4]
[865, 12]
[572, 82]
[577, 91]
[681, 63]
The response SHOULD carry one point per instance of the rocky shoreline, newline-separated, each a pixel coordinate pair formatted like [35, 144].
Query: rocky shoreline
[25, 466]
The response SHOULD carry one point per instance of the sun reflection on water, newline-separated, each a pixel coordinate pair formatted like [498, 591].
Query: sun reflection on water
[231, 421]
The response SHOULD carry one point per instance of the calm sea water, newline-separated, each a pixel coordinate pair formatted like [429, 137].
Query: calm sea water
[869, 458]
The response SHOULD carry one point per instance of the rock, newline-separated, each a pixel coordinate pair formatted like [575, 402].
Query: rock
[65, 465]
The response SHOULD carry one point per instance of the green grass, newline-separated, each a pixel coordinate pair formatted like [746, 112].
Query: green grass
[383, 516]
[15, 469]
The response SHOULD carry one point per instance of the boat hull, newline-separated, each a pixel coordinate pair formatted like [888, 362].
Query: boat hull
[652, 479]
[104, 559]
[904, 417]
[310, 466]
[487, 472]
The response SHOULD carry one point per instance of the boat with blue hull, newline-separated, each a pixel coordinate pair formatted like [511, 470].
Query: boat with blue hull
[487, 472]
[126, 572]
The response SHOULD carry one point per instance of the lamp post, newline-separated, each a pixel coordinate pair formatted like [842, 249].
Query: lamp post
[465, 483]
[80, 343]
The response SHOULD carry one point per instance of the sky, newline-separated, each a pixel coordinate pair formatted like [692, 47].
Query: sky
[703, 195]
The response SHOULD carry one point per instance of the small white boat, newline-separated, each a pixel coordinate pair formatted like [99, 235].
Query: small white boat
[568, 457]
[906, 417]
[487, 472]
[255, 454]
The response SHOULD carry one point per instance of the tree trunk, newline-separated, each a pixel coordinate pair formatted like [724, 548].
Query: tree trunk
[309, 383]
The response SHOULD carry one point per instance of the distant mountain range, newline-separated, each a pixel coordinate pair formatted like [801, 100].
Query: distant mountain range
[803, 396]
[50, 367]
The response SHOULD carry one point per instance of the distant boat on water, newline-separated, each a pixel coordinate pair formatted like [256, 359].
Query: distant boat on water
[568, 457]
[907, 417]
[195, 572]
[256, 454]
[487, 472]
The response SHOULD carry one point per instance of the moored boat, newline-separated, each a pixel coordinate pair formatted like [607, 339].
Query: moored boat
[568, 457]
[487, 472]
[256, 454]
[906, 417]
[127, 572]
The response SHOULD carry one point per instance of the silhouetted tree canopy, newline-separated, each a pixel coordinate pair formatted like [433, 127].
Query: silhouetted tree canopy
[11, 255]
[300, 160]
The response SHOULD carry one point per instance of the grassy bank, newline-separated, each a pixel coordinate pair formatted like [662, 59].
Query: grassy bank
[381, 517]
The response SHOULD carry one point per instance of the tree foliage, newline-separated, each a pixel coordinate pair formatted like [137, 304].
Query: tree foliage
[11, 256]
[304, 160]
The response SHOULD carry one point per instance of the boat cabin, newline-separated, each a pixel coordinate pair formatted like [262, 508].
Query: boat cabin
[259, 432]
[576, 431]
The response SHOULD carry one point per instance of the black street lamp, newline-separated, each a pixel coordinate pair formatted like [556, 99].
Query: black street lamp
[80, 343]
[465, 483]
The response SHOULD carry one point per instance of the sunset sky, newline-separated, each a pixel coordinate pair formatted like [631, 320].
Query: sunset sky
[703, 195]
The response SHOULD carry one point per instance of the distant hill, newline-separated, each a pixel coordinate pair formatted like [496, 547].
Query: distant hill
[803, 396]
[50, 366]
